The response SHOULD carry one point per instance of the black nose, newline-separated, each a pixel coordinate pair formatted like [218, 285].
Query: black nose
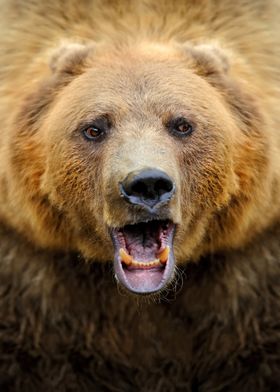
[148, 188]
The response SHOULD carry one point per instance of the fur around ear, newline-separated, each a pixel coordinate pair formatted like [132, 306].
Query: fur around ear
[69, 58]
[209, 59]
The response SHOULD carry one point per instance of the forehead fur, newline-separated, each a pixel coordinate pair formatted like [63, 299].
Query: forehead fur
[206, 59]
[147, 90]
[138, 72]
[155, 76]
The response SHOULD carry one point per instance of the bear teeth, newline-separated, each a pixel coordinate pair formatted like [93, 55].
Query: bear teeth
[125, 257]
[129, 261]
[163, 255]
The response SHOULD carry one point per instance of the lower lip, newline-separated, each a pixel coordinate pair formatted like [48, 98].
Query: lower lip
[145, 281]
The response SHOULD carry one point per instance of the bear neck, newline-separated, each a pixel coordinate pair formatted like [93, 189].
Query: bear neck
[226, 286]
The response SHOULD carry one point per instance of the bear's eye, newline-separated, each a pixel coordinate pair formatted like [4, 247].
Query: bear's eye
[97, 129]
[92, 132]
[180, 127]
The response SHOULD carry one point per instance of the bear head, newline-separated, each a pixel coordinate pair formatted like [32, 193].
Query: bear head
[147, 154]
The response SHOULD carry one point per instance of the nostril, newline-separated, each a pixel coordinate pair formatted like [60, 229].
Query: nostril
[139, 187]
[163, 186]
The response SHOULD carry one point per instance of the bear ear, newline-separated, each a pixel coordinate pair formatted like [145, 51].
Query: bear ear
[208, 59]
[69, 58]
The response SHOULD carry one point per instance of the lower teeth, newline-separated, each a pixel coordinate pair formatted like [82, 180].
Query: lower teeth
[129, 261]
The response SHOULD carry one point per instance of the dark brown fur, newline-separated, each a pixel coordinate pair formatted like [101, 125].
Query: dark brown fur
[65, 326]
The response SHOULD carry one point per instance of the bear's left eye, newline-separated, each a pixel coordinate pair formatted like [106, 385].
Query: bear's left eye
[180, 127]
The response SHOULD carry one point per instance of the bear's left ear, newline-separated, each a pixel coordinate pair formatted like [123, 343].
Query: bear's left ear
[208, 59]
[69, 58]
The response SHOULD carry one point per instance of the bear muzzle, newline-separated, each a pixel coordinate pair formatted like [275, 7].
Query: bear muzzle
[142, 211]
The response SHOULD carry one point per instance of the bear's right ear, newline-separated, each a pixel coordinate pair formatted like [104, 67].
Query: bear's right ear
[209, 59]
[69, 58]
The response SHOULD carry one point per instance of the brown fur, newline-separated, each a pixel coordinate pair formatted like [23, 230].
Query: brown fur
[216, 62]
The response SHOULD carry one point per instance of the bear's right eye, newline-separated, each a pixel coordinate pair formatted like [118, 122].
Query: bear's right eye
[97, 129]
[92, 133]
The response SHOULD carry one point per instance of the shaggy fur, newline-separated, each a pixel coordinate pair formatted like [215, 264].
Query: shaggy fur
[64, 323]
[65, 326]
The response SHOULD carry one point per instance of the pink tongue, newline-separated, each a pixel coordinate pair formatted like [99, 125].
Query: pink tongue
[144, 280]
[142, 243]
[141, 253]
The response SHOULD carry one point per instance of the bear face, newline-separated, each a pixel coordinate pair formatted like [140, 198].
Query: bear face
[142, 155]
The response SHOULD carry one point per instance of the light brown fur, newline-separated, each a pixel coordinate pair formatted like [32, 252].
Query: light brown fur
[237, 176]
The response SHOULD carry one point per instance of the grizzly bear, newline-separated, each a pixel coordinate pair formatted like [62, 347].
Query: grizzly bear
[140, 195]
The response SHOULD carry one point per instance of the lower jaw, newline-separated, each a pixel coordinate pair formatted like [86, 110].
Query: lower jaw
[146, 282]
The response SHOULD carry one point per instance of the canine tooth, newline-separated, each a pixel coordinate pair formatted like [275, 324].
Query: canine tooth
[163, 255]
[125, 257]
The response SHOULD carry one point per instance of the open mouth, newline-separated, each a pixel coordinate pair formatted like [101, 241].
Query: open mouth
[144, 259]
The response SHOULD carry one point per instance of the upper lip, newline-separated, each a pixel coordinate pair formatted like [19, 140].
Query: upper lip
[144, 218]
